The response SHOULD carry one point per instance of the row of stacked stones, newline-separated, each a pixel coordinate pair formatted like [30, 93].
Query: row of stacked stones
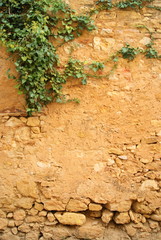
[35, 222]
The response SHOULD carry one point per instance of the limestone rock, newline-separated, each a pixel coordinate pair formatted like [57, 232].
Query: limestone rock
[27, 188]
[95, 207]
[75, 205]
[3, 223]
[11, 223]
[34, 235]
[54, 204]
[33, 212]
[106, 216]
[70, 218]
[19, 214]
[114, 233]
[50, 217]
[131, 231]
[2, 214]
[115, 151]
[13, 122]
[33, 122]
[14, 230]
[149, 185]
[156, 217]
[136, 217]
[34, 219]
[142, 207]
[22, 134]
[122, 206]
[145, 40]
[92, 229]
[39, 206]
[24, 228]
[122, 218]
[25, 203]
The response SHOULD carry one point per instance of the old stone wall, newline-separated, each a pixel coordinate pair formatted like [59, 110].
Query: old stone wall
[90, 170]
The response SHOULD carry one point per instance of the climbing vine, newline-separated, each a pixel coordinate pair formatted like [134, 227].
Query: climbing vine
[27, 29]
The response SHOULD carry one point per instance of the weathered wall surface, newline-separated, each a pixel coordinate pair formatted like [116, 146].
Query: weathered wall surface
[91, 170]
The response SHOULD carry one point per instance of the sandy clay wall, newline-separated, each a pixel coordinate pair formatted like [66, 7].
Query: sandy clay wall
[90, 170]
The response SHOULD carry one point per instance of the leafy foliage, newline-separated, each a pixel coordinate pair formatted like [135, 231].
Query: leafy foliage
[26, 26]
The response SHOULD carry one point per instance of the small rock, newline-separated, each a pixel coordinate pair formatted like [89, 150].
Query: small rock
[33, 212]
[70, 218]
[122, 218]
[19, 215]
[11, 223]
[156, 217]
[14, 230]
[149, 185]
[10, 215]
[33, 122]
[27, 188]
[123, 157]
[106, 216]
[51, 217]
[38, 206]
[131, 231]
[35, 130]
[121, 206]
[115, 151]
[142, 207]
[3, 223]
[43, 213]
[13, 122]
[153, 224]
[24, 228]
[145, 40]
[136, 217]
[24, 203]
[95, 207]
[75, 205]
[2, 214]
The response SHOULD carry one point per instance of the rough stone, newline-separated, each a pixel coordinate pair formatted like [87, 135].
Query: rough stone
[2, 214]
[75, 205]
[33, 219]
[136, 217]
[92, 229]
[121, 206]
[24, 228]
[156, 217]
[32, 212]
[22, 134]
[107, 216]
[25, 203]
[33, 122]
[149, 185]
[14, 230]
[11, 223]
[27, 188]
[50, 217]
[95, 207]
[115, 151]
[130, 229]
[122, 218]
[39, 206]
[54, 205]
[3, 223]
[70, 218]
[19, 214]
[13, 122]
[142, 207]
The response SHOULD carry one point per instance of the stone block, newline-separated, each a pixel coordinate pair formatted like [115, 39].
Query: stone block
[70, 218]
